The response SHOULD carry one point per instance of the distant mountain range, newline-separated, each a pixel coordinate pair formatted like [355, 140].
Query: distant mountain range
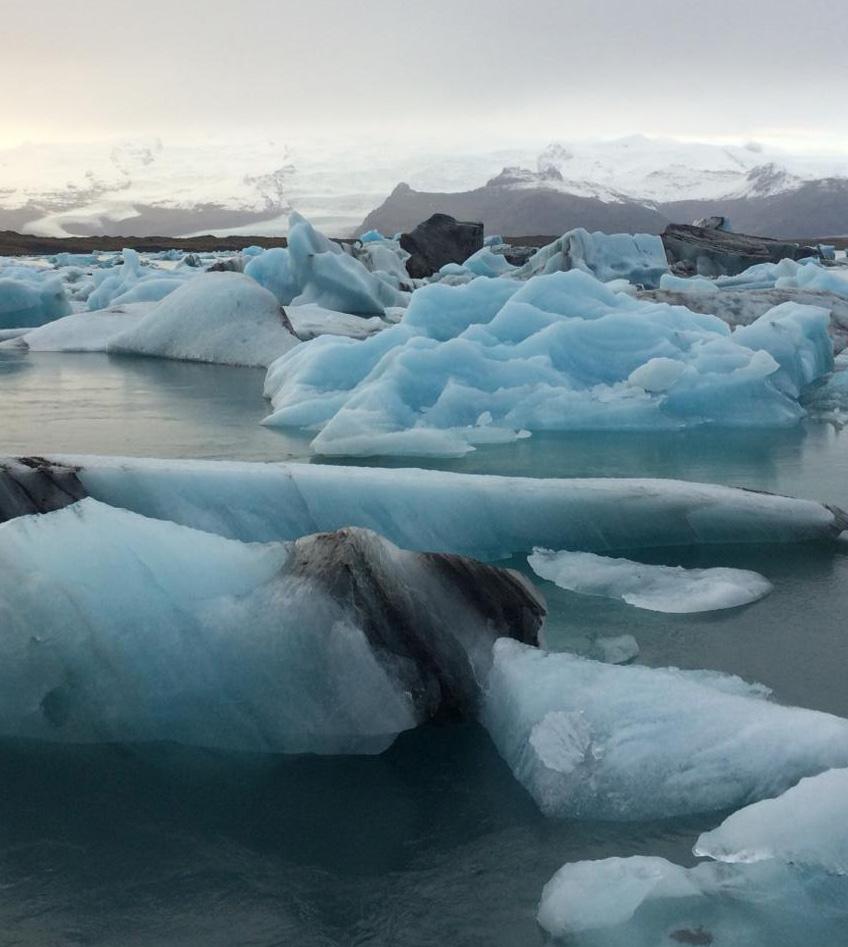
[239, 185]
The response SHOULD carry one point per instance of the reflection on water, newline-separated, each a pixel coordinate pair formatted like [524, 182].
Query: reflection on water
[810, 460]
[431, 843]
[103, 404]
[161, 408]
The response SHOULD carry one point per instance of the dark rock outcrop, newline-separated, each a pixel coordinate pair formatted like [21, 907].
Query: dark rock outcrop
[712, 252]
[35, 485]
[439, 240]
[431, 618]
[515, 211]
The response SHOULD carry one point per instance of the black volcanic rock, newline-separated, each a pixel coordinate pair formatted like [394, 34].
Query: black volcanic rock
[712, 252]
[439, 240]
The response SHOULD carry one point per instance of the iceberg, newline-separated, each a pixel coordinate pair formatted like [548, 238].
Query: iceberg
[30, 301]
[84, 331]
[806, 825]
[601, 741]
[638, 258]
[130, 283]
[780, 875]
[216, 317]
[329, 277]
[492, 359]
[488, 517]
[120, 627]
[670, 589]
[271, 269]
[309, 321]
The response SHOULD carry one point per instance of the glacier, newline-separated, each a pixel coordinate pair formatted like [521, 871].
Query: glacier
[490, 360]
[599, 741]
[671, 589]
[118, 627]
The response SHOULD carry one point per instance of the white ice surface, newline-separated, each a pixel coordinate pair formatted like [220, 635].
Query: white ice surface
[558, 352]
[489, 517]
[599, 741]
[656, 588]
[120, 627]
[806, 825]
[216, 317]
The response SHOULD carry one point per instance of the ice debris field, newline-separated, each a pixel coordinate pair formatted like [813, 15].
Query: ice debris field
[320, 609]
[373, 362]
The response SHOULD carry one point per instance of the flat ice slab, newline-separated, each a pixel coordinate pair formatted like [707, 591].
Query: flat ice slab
[489, 517]
[655, 588]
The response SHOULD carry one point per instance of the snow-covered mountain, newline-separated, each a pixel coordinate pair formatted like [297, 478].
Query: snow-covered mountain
[249, 185]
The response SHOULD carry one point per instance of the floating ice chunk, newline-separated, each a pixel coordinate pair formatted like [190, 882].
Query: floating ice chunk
[86, 331]
[119, 627]
[271, 270]
[371, 235]
[487, 263]
[615, 650]
[656, 742]
[656, 588]
[31, 301]
[806, 825]
[559, 352]
[691, 284]
[638, 258]
[489, 517]
[310, 321]
[215, 317]
[783, 878]
[329, 277]
[592, 895]
[133, 282]
[644, 902]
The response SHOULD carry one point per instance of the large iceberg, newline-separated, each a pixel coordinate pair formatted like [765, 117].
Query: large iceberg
[600, 741]
[216, 317]
[488, 517]
[487, 361]
[120, 627]
[670, 589]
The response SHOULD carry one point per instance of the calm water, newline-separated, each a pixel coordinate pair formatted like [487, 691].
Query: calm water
[433, 842]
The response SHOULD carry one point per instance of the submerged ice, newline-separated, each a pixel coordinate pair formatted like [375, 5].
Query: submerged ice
[656, 588]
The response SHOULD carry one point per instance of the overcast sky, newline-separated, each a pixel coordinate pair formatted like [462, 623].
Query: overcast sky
[497, 71]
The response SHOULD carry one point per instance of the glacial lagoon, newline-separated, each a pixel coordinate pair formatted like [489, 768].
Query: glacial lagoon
[433, 841]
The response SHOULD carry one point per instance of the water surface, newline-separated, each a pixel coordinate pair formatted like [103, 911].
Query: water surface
[433, 842]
